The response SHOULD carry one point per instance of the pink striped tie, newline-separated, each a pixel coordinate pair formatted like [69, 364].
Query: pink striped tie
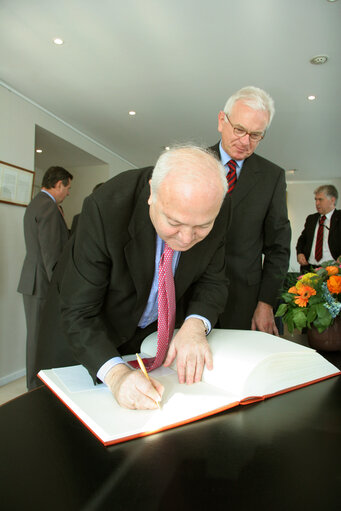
[231, 175]
[166, 309]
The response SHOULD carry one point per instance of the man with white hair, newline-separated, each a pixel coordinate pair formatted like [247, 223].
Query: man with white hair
[258, 239]
[109, 288]
[320, 240]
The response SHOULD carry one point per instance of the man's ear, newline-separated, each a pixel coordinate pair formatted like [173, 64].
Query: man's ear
[58, 185]
[221, 120]
[150, 199]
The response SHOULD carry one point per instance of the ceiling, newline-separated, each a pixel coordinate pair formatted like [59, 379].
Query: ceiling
[175, 63]
[56, 150]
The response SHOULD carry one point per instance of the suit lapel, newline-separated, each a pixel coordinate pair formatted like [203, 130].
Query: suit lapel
[140, 249]
[248, 178]
[184, 269]
[333, 242]
[334, 220]
[189, 265]
[61, 211]
[316, 218]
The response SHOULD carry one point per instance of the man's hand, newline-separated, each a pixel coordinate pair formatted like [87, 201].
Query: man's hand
[191, 348]
[263, 319]
[131, 389]
[301, 259]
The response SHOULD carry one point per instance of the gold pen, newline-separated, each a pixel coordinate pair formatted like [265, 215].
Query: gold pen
[143, 369]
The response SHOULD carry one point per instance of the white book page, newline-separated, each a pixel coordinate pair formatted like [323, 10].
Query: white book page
[275, 374]
[237, 353]
[274, 363]
[96, 406]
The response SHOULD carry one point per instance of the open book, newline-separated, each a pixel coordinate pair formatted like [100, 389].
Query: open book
[248, 366]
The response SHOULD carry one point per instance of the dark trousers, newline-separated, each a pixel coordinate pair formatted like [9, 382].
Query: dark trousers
[33, 312]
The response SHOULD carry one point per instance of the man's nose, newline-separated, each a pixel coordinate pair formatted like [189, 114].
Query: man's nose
[186, 235]
[245, 139]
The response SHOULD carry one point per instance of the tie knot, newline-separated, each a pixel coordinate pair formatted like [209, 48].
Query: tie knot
[167, 254]
[232, 164]
[322, 219]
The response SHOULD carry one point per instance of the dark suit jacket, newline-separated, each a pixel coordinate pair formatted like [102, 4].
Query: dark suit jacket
[46, 234]
[110, 267]
[305, 241]
[74, 224]
[259, 228]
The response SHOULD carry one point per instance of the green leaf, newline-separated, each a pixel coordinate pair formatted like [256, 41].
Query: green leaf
[290, 323]
[299, 318]
[322, 312]
[287, 297]
[312, 314]
[282, 309]
[322, 325]
[314, 300]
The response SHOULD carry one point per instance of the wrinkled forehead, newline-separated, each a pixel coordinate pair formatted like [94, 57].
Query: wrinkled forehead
[198, 185]
[322, 196]
[244, 112]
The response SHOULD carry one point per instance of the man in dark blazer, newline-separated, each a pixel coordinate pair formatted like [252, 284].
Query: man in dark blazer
[325, 200]
[76, 217]
[107, 291]
[258, 239]
[45, 234]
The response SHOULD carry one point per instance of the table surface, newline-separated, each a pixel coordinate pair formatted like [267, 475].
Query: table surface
[280, 454]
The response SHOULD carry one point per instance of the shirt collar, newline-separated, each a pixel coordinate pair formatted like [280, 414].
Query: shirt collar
[328, 215]
[47, 193]
[225, 158]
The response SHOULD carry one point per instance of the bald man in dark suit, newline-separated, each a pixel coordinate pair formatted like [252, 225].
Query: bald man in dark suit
[105, 294]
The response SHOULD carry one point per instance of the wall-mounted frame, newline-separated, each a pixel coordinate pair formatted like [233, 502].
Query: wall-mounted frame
[16, 184]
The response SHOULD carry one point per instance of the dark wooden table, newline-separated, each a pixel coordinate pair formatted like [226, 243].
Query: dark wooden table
[280, 454]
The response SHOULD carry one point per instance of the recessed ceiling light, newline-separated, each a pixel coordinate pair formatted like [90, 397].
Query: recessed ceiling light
[311, 97]
[58, 40]
[39, 150]
[318, 60]
[167, 148]
[132, 112]
[291, 171]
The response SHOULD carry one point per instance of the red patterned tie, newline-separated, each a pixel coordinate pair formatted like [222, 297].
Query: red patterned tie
[231, 175]
[319, 239]
[166, 309]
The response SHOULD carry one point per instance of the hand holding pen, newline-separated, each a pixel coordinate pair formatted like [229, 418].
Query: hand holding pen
[144, 370]
[132, 389]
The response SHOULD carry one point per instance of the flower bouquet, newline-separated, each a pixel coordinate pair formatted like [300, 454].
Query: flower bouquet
[314, 300]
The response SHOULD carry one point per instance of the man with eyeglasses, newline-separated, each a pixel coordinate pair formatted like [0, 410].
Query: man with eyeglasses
[258, 240]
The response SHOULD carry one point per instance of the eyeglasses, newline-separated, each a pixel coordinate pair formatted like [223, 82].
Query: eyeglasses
[241, 132]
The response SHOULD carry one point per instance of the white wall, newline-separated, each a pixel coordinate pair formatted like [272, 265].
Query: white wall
[17, 134]
[301, 203]
[84, 180]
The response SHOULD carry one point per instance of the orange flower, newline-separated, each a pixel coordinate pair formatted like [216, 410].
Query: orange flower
[304, 293]
[293, 290]
[334, 284]
[332, 270]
